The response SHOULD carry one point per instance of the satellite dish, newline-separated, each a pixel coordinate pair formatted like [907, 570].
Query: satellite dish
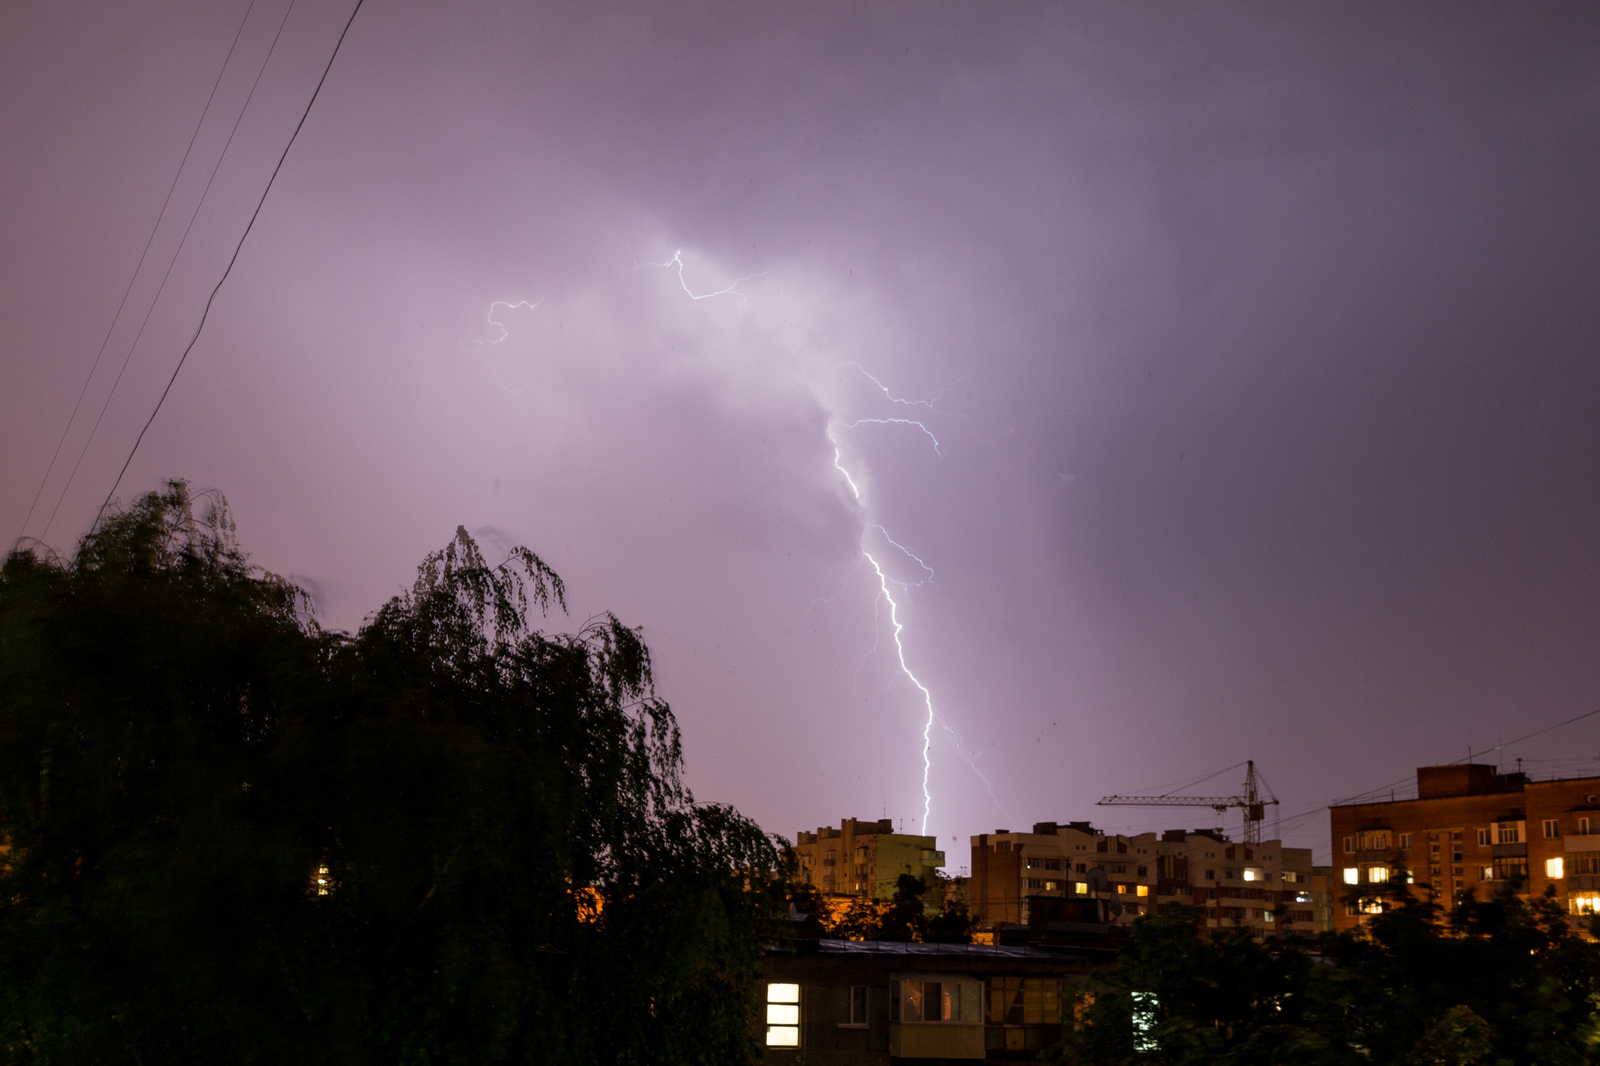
[1097, 879]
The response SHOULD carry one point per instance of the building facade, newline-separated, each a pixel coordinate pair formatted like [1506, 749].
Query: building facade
[865, 859]
[1471, 829]
[874, 1003]
[1264, 887]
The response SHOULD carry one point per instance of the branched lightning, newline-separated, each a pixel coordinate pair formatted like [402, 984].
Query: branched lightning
[892, 398]
[677, 261]
[886, 584]
[509, 305]
[482, 345]
[902, 422]
[911, 554]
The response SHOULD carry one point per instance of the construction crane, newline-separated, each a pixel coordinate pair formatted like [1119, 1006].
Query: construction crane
[1252, 802]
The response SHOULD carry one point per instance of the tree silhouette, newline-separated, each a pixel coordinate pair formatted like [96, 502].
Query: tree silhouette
[231, 835]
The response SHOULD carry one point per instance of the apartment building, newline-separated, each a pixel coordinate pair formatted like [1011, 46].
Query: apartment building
[874, 1003]
[1472, 829]
[865, 858]
[1265, 887]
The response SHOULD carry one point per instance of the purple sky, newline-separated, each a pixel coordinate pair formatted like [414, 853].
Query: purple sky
[1261, 345]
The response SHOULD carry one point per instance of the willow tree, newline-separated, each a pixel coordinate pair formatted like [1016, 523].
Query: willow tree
[231, 835]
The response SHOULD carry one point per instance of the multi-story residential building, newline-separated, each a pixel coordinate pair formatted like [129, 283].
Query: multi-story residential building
[865, 858]
[876, 1003]
[1471, 829]
[1265, 887]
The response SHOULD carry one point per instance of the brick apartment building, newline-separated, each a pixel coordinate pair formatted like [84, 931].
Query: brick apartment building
[1473, 829]
[1266, 887]
[865, 858]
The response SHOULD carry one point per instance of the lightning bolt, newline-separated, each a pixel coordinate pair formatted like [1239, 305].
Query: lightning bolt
[909, 553]
[886, 584]
[892, 398]
[479, 345]
[902, 422]
[927, 697]
[677, 261]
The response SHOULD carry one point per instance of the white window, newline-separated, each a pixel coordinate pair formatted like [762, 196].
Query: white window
[783, 1015]
[1252, 873]
[1486, 873]
[1585, 904]
[1509, 834]
[1352, 875]
[1552, 868]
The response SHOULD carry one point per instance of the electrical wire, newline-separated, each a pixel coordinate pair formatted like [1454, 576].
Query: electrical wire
[237, 248]
[127, 359]
[139, 266]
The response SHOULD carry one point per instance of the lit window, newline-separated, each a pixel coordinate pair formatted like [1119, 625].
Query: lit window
[1081, 888]
[1144, 890]
[1377, 874]
[783, 1015]
[1552, 868]
[1486, 873]
[1351, 875]
[1122, 890]
[1585, 904]
[1252, 874]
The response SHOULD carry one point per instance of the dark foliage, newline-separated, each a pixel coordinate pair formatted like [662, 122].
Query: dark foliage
[231, 836]
[1496, 981]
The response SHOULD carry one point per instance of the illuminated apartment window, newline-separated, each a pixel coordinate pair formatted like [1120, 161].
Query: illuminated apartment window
[1081, 888]
[912, 1000]
[1552, 868]
[1352, 875]
[1252, 874]
[1486, 873]
[1552, 829]
[1122, 890]
[783, 1015]
[1377, 874]
[1589, 904]
[1144, 890]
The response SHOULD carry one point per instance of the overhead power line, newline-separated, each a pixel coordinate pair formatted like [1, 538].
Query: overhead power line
[138, 267]
[232, 260]
[126, 359]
